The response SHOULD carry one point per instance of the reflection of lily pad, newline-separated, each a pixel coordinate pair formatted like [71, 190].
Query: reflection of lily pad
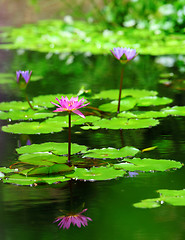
[25, 115]
[111, 153]
[24, 180]
[173, 197]
[125, 104]
[42, 158]
[121, 123]
[56, 148]
[113, 93]
[32, 128]
[96, 173]
[147, 164]
[153, 101]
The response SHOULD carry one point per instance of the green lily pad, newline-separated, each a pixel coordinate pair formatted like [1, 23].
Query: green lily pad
[121, 123]
[135, 93]
[153, 101]
[96, 173]
[42, 158]
[25, 115]
[175, 111]
[172, 197]
[55, 168]
[90, 127]
[125, 104]
[32, 128]
[147, 165]
[56, 148]
[112, 153]
[29, 181]
[14, 105]
[143, 114]
[6, 170]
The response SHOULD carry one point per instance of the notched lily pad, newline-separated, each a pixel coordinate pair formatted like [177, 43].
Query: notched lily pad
[96, 173]
[147, 165]
[121, 123]
[112, 153]
[56, 148]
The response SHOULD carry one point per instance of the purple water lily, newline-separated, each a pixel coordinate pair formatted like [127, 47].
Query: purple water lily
[128, 52]
[24, 74]
[71, 105]
[76, 219]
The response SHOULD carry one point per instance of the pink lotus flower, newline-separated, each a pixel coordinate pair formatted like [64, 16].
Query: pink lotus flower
[76, 219]
[128, 52]
[71, 105]
[24, 74]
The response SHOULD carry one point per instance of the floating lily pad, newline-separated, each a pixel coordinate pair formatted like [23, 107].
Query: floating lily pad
[96, 173]
[56, 148]
[175, 111]
[25, 115]
[147, 164]
[153, 101]
[121, 123]
[112, 153]
[113, 93]
[28, 181]
[32, 128]
[55, 168]
[172, 197]
[14, 105]
[125, 104]
[90, 127]
[6, 170]
[42, 158]
[143, 114]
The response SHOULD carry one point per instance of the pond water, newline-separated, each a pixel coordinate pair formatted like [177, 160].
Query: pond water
[29, 212]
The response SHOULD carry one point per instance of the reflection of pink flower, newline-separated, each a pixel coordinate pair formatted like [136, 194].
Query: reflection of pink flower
[24, 74]
[119, 52]
[71, 105]
[76, 219]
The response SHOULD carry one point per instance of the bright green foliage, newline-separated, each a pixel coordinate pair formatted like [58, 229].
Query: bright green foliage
[14, 105]
[175, 111]
[153, 101]
[121, 123]
[6, 170]
[112, 153]
[172, 197]
[147, 165]
[143, 114]
[96, 173]
[56, 148]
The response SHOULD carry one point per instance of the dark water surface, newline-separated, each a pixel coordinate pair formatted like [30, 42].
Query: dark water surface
[28, 212]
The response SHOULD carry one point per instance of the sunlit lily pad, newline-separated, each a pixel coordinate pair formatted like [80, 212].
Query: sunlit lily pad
[112, 153]
[143, 114]
[29, 181]
[147, 164]
[113, 93]
[96, 173]
[25, 115]
[121, 123]
[56, 148]
[153, 101]
[42, 158]
[175, 111]
[125, 104]
[6, 170]
[90, 127]
[172, 197]
[32, 128]
[14, 105]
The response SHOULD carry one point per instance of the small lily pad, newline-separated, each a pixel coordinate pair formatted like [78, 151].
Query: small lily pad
[32, 128]
[153, 101]
[148, 203]
[29, 181]
[121, 123]
[56, 148]
[42, 158]
[96, 173]
[113, 93]
[112, 153]
[90, 127]
[147, 165]
[125, 104]
[25, 115]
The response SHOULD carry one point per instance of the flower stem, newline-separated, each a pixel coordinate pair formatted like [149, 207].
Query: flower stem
[69, 140]
[28, 101]
[120, 89]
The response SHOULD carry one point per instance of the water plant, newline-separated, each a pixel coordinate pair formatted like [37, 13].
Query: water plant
[124, 55]
[71, 105]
